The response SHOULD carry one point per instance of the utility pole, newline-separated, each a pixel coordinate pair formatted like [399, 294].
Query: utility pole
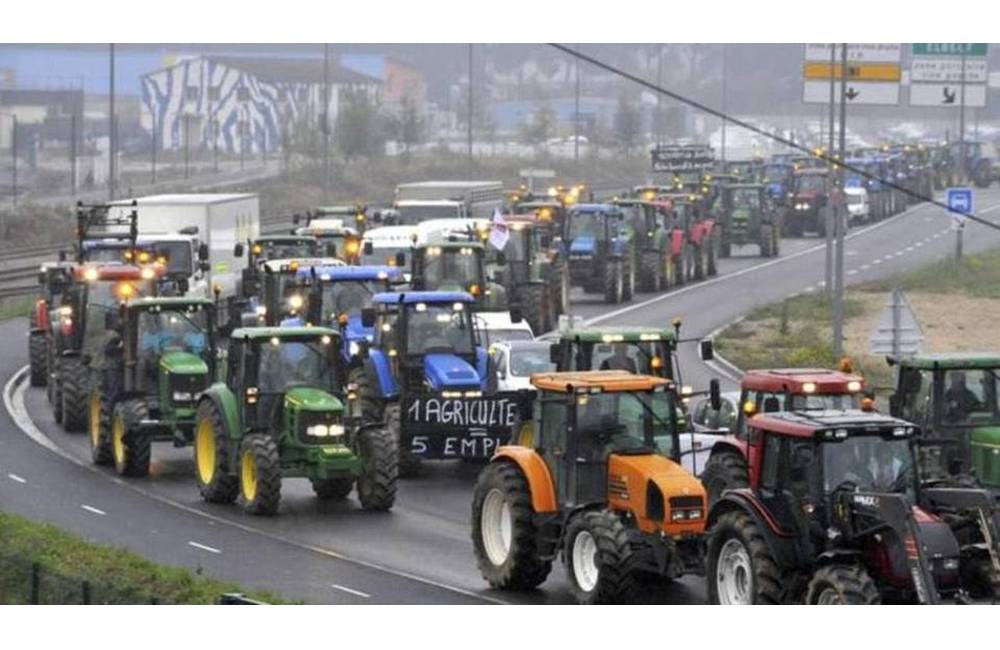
[723, 135]
[838, 299]
[470, 103]
[187, 144]
[827, 217]
[13, 155]
[72, 152]
[111, 123]
[243, 138]
[659, 96]
[961, 124]
[326, 121]
[576, 110]
[153, 149]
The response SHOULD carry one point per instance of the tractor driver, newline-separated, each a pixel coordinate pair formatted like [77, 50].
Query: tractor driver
[959, 399]
[620, 360]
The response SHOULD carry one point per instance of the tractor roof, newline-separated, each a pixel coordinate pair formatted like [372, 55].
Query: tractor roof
[540, 204]
[347, 273]
[412, 297]
[256, 333]
[170, 301]
[591, 208]
[812, 171]
[111, 271]
[952, 360]
[283, 239]
[806, 424]
[797, 381]
[611, 381]
[298, 264]
[617, 334]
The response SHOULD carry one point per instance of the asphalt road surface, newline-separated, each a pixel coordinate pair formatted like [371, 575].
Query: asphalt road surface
[420, 552]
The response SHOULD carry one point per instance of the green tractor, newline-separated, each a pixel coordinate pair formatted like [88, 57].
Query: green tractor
[278, 412]
[955, 399]
[456, 263]
[159, 355]
[744, 214]
[652, 242]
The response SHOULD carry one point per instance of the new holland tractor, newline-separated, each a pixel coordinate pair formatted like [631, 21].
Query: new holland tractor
[597, 481]
[744, 216]
[278, 412]
[158, 355]
[602, 252]
[837, 512]
[426, 376]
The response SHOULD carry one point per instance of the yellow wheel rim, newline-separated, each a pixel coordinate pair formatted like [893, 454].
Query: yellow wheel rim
[205, 450]
[118, 438]
[95, 420]
[248, 476]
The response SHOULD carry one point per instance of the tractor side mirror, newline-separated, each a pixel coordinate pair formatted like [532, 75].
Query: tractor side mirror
[368, 317]
[183, 286]
[203, 252]
[706, 350]
[516, 314]
[400, 259]
[714, 395]
[369, 248]
[295, 219]
[238, 249]
[555, 354]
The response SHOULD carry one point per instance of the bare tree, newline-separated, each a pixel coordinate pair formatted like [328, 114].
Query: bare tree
[627, 125]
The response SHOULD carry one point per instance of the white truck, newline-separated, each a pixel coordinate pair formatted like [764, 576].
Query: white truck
[418, 202]
[197, 235]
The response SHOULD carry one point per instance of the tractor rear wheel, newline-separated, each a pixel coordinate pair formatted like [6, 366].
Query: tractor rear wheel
[408, 464]
[599, 560]
[712, 242]
[724, 471]
[260, 475]
[371, 406]
[75, 394]
[99, 428]
[766, 240]
[628, 273]
[38, 356]
[129, 447]
[380, 469]
[740, 567]
[725, 246]
[651, 278]
[534, 306]
[842, 584]
[504, 534]
[55, 392]
[333, 488]
[614, 282]
[211, 455]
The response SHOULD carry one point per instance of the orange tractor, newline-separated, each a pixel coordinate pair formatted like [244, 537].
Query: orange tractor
[594, 476]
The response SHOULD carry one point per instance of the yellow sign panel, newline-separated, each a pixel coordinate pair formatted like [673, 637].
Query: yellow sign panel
[855, 71]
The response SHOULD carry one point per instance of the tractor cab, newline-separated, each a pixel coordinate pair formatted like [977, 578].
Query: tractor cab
[389, 246]
[602, 256]
[777, 179]
[743, 170]
[744, 215]
[279, 247]
[284, 290]
[955, 398]
[552, 212]
[338, 230]
[639, 350]
[456, 263]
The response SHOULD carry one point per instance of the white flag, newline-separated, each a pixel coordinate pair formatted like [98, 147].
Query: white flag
[499, 233]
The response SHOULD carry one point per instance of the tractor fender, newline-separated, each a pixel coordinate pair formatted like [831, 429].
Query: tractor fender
[225, 401]
[378, 368]
[536, 472]
[730, 444]
[782, 543]
[41, 317]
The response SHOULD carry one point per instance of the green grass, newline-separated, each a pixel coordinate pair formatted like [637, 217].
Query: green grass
[115, 574]
[976, 275]
[15, 307]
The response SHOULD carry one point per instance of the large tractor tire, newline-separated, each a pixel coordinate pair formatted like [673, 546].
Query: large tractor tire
[766, 241]
[629, 273]
[408, 464]
[333, 488]
[614, 283]
[651, 277]
[726, 470]
[740, 567]
[38, 358]
[211, 456]
[75, 394]
[712, 242]
[680, 266]
[367, 391]
[99, 428]
[130, 448]
[842, 584]
[978, 577]
[725, 246]
[504, 533]
[535, 306]
[260, 475]
[600, 561]
[380, 469]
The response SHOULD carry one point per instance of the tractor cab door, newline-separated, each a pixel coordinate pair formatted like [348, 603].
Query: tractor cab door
[789, 471]
[236, 375]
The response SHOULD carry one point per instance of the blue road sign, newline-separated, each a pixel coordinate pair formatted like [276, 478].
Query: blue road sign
[959, 199]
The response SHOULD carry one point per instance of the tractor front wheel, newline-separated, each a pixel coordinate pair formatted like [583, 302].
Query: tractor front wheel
[333, 488]
[260, 475]
[766, 241]
[504, 534]
[408, 464]
[129, 447]
[741, 568]
[724, 471]
[599, 560]
[535, 306]
[841, 584]
[614, 282]
[99, 428]
[75, 394]
[380, 458]
[211, 456]
[38, 355]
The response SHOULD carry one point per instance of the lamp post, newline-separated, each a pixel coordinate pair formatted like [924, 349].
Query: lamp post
[111, 123]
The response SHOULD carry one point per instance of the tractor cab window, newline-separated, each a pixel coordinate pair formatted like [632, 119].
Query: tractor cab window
[103, 253]
[609, 423]
[816, 402]
[443, 328]
[292, 295]
[916, 395]
[645, 357]
[348, 297]
[868, 463]
[811, 183]
[275, 250]
[970, 397]
[169, 331]
[175, 254]
[746, 199]
[773, 173]
[284, 364]
[587, 224]
[450, 267]
[384, 255]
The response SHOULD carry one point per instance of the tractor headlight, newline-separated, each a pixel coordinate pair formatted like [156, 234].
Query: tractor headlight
[353, 348]
[180, 396]
[950, 564]
[318, 430]
[694, 514]
[295, 301]
[677, 515]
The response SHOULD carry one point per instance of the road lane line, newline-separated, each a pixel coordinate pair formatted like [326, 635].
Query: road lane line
[865, 267]
[96, 511]
[353, 592]
[878, 261]
[204, 548]
[852, 272]
[16, 478]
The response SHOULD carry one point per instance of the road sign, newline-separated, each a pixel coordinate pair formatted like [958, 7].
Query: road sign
[951, 49]
[868, 92]
[855, 71]
[929, 70]
[873, 73]
[947, 95]
[897, 331]
[866, 52]
[675, 158]
[961, 203]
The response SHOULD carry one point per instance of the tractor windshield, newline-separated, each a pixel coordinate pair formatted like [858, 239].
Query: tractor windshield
[109, 293]
[774, 173]
[867, 463]
[284, 363]
[282, 250]
[624, 423]
[811, 183]
[584, 224]
[637, 357]
[292, 294]
[104, 253]
[970, 398]
[451, 267]
[813, 402]
[348, 297]
[746, 199]
[384, 255]
[443, 328]
[170, 331]
[175, 254]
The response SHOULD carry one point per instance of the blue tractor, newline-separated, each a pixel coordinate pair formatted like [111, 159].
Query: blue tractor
[601, 251]
[426, 377]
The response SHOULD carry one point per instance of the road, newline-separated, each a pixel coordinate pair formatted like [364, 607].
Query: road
[421, 551]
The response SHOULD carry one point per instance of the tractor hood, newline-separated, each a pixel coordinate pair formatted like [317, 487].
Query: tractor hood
[447, 371]
[183, 363]
[985, 447]
[304, 398]
[634, 479]
[583, 245]
[986, 436]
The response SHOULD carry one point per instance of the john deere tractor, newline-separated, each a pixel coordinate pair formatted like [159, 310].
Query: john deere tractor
[456, 263]
[652, 242]
[602, 251]
[279, 413]
[159, 355]
[639, 350]
[271, 248]
[595, 478]
[744, 216]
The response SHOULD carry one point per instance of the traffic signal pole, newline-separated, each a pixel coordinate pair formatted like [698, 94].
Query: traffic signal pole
[839, 220]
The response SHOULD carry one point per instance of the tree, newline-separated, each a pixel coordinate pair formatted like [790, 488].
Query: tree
[360, 129]
[539, 127]
[411, 125]
[627, 125]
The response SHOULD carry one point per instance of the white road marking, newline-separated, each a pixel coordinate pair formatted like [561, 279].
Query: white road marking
[354, 592]
[204, 548]
[852, 272]
[16, 478]
[96, 511]
[865, 267]
[908, 249]
[918, 244]
[878, 261]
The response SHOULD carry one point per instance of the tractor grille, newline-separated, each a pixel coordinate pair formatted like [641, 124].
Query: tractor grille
[617, 488]
[183, 388]
[678, 503]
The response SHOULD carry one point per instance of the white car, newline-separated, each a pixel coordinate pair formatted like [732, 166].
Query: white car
[857, 204]
[498, 327]
[696, 446]
[515, 362]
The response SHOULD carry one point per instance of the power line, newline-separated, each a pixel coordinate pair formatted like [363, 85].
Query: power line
[759, 131]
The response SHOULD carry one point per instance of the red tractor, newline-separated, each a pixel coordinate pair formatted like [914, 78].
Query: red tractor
[837, 512]
[694, 240]
[731, 463]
